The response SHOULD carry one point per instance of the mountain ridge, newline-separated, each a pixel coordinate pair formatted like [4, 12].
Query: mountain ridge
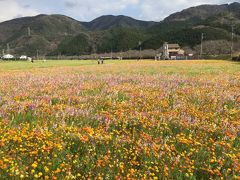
[204, 11]
[56, 33]
[109, 21]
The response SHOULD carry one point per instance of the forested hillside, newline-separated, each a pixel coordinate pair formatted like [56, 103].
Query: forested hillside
[58, 34]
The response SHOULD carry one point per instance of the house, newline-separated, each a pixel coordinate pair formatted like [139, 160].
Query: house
[172, 51]
[23, 57]
[8, 57]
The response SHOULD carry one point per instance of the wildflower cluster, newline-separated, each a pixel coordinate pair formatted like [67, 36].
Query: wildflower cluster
[124, 121]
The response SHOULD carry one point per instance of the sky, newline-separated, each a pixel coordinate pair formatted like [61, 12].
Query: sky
[87, 10]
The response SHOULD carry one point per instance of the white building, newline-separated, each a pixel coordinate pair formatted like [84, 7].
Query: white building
[8, 56]
[23, 57]
[172, 51]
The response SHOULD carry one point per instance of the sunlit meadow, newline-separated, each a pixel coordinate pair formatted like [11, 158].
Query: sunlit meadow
[123, 119]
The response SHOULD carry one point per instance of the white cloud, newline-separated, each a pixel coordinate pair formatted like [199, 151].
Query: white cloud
[10, 9]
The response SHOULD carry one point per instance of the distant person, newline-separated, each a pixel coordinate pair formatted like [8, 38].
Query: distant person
[101, 61]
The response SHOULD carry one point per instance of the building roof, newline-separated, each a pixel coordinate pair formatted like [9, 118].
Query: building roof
[175, 46]
[8, 56]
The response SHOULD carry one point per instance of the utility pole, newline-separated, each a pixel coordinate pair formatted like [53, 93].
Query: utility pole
[8, 48]
[111, 53]
[232, 43]
[129, 53]
[140, 50]
[37, 54]
[59, 56]
[29, 31]
[201, 53]
[121, 55]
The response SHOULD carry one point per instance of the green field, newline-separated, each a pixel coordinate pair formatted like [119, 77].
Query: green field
[191, 67]
[25, 65]
[120, 120]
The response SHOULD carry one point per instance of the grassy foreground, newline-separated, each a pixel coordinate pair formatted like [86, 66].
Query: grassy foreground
[123, 119]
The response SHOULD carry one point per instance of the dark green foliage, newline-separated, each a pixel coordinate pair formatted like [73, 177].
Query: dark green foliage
[77, 45]
[30, 45]
[108, 22]
[46, 32]
[121, 39]
[186, 33]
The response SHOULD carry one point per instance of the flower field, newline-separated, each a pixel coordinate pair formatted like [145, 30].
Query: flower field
[123, 120]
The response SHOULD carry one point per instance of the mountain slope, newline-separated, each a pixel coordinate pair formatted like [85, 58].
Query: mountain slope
[205, 11]
[109, 21]
[186, 27]
[54, 34]
[46, 31]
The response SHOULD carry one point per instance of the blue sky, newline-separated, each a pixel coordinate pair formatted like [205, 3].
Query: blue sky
[86, 10]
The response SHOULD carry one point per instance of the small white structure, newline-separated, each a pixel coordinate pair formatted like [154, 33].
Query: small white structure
[158, 56]
[23, 57]
[173, 57]
[8, 56]
[29, 58]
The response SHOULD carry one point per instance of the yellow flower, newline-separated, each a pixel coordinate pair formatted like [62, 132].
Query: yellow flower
[34, 165]
[40, 174]
[22, 176]
[46, 169]
[17, 172]
[36, 176]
